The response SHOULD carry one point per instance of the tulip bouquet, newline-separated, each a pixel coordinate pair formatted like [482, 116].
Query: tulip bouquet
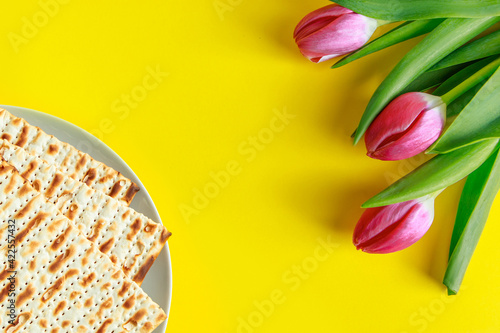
[442, 98]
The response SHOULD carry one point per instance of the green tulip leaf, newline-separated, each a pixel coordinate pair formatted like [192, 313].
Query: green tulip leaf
[484, 47]
[436, 174]
[477, 197]
[428, 80]
[440, 42]
[479, 120]
[403, 10]
[401, 33]
[459, 104]
[461, 76]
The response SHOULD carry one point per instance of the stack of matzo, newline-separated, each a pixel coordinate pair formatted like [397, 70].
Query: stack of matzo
[82, 254]
[67, 158]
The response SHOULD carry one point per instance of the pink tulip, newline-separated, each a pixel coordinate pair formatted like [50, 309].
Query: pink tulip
[394, 227]
[406, 127]
[332, 31]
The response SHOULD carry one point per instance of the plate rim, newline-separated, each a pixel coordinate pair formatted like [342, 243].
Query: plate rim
[129, 173]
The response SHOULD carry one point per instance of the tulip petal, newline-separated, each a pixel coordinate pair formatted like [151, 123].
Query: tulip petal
[324, 58]
[422, 133]
[406, 127]
[342, 35]
[394, 119]
[324, 12]
[332, 31]
[405, 233]
[313, 27]
[394, 227]
[375, 220]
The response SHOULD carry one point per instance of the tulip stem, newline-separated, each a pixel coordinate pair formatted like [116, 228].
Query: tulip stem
[472, 81]
[383, 22]
[435, 194]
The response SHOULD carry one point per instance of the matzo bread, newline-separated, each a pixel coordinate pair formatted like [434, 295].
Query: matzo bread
[63, 282]
[129, 238]
[66, 158]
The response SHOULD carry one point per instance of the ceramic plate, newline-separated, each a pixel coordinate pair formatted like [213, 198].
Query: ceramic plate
[158, 282]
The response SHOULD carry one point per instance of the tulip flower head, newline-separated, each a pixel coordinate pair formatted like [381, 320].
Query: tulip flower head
[394, 227]
[332, 31]
[409, 125]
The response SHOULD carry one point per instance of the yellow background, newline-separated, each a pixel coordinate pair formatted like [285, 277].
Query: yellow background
[250, 258]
